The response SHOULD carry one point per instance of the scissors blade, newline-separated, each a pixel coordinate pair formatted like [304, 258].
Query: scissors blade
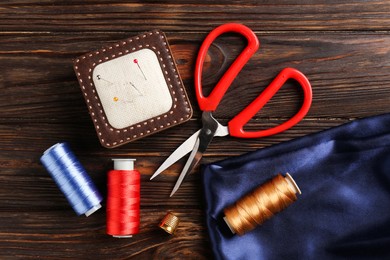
[180, 151]
[192, 161]
[206, 134]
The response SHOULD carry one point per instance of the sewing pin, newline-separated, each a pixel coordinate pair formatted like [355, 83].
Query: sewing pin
[100, 78]
[136, 62]
[139, 92]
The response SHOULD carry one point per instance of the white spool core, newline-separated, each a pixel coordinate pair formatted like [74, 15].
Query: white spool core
[92, 210]
[124, 164]
[292, 183]
[129, 236]
[227, 223]
[50, 148]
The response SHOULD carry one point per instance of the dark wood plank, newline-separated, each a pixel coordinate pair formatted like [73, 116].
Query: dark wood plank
[22, 173]
[342, 46]
[32, 140]
[348, 73]
[36, 236]
[291, 15]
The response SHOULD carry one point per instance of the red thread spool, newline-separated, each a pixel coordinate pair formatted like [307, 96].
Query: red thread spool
[123, 199]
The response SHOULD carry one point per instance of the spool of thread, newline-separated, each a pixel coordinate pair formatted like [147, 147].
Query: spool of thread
[169, 223]
[72, 179]
[123, 199]
[261, 204]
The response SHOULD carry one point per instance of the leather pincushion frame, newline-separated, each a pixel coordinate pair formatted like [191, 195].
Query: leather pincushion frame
[132, 88]
[343, 212]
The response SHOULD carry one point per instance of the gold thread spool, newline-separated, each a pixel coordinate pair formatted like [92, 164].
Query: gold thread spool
[169, 223]
[261, 204]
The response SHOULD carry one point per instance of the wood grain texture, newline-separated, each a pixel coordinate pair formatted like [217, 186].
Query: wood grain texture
[342, 46]
[289, 15]
[328, 60]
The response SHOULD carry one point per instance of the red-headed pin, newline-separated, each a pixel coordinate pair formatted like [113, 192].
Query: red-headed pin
[136, 62]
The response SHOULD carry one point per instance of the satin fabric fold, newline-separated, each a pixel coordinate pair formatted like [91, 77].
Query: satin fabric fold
[344, 209]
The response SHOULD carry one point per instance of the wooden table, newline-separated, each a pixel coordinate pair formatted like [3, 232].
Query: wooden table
[342, 46]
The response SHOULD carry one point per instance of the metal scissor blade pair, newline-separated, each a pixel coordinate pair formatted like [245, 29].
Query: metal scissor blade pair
[206, 134]
[191, 144]
[185, 148]
[192, 161]
[180, 151]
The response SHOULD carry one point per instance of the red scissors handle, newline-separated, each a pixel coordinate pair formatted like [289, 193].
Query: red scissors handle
[211, 102]
[236, 125]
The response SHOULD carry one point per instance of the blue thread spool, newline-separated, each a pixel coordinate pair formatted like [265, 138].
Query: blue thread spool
[72, 179]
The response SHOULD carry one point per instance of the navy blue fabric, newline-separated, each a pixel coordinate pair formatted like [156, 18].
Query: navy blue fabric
[344, 209]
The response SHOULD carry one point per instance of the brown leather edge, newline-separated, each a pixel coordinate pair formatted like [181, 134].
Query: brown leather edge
[180, 112]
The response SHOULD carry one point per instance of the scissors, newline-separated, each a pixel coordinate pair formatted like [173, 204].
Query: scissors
[198, 142]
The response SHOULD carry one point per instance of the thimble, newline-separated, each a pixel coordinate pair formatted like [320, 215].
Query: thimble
[169, 223]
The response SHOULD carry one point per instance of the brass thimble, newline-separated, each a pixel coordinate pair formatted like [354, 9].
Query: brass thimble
[169, 223]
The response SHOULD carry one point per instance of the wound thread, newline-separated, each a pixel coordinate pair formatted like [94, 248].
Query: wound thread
[72, 179]
[123, 199]
[261, 204]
